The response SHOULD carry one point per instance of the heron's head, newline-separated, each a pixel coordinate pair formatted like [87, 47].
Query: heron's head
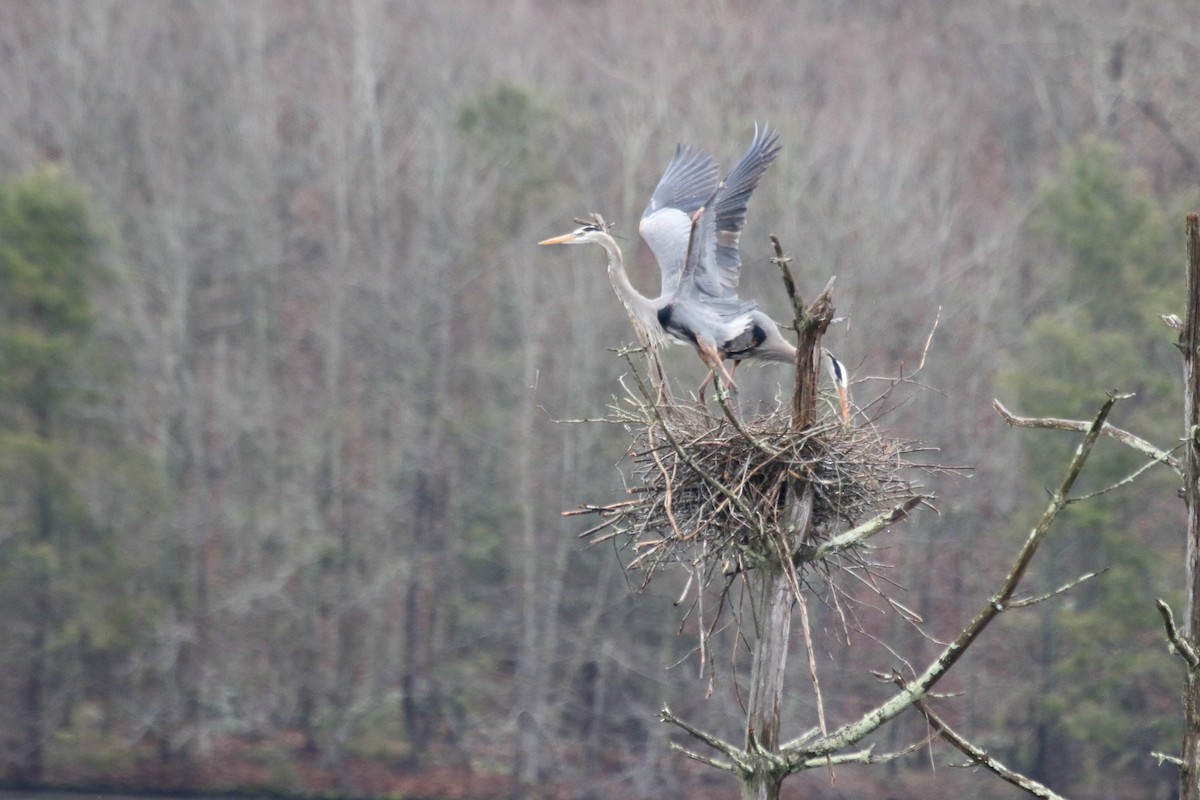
[590, 230]
[581, 235]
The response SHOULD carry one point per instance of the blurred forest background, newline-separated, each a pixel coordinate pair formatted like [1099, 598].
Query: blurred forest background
[282, 373]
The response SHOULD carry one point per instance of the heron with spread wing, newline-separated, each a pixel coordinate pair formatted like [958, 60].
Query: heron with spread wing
[693, 225]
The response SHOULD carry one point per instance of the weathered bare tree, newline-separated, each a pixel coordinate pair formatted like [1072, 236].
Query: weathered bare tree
[772, 557]
[1186, 643]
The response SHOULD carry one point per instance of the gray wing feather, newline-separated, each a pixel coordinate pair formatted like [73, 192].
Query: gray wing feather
[720, 307]
[720, 265]
[689, 180]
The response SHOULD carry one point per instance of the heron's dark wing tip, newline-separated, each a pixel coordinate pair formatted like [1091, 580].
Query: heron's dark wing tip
[688, 181]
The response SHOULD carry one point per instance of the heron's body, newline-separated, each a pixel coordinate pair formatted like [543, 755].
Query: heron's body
[731, 333]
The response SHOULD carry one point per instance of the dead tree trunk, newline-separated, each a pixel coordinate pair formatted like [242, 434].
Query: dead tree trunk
[766, 686]
[1189, 342]
[777, 590]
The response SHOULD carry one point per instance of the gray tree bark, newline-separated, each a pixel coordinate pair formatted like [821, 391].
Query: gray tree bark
[1189, 341]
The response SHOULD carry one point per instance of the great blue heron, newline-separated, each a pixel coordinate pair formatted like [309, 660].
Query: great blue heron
[693, 224]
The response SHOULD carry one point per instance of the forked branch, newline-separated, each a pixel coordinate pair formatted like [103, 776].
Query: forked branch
[854, 732]
[1122, 436]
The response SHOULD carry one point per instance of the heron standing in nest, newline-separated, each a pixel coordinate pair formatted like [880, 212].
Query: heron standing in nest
[693, 225]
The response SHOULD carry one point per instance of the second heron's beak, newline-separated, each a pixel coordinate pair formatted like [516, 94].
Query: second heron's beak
[566, 238]
[844, 397]
[841, 382]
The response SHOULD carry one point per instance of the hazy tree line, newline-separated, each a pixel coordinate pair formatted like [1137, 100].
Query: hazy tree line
[282, 373]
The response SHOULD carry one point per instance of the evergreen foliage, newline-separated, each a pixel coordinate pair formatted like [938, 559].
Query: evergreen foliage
[61, 566]
[1110, 261]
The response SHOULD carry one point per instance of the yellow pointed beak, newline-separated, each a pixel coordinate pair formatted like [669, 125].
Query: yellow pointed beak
[844, 397]
[566, 238]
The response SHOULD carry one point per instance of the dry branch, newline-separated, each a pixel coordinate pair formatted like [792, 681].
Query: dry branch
[980, 756]
[1181, 646]
[734, 753]
[1079, 426]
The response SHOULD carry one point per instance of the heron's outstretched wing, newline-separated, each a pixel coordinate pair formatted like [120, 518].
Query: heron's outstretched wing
[666, 225]
[715, 310]
[720, 264]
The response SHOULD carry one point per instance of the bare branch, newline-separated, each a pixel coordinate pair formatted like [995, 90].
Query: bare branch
[1122, 436]
[789, 283]
[865, 756]
[860, 533]
[806, 628]
[735, 420]
[928, 341]
[712, 762]
[1179, 645]
[1128, 479]
[1066, 587]
[735, 754]
[802, 739]
[980, 756]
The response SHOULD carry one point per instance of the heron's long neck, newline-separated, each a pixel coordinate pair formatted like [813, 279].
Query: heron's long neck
[641, 308]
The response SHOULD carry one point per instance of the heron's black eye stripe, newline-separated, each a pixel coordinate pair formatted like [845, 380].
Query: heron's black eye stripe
[589, 228]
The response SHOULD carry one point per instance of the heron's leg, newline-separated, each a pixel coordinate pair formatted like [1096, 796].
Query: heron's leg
[704, 385]
[712, 359]
[726, 375]
[732, 390]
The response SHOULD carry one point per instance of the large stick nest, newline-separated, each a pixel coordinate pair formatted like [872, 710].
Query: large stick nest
[709, 489]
